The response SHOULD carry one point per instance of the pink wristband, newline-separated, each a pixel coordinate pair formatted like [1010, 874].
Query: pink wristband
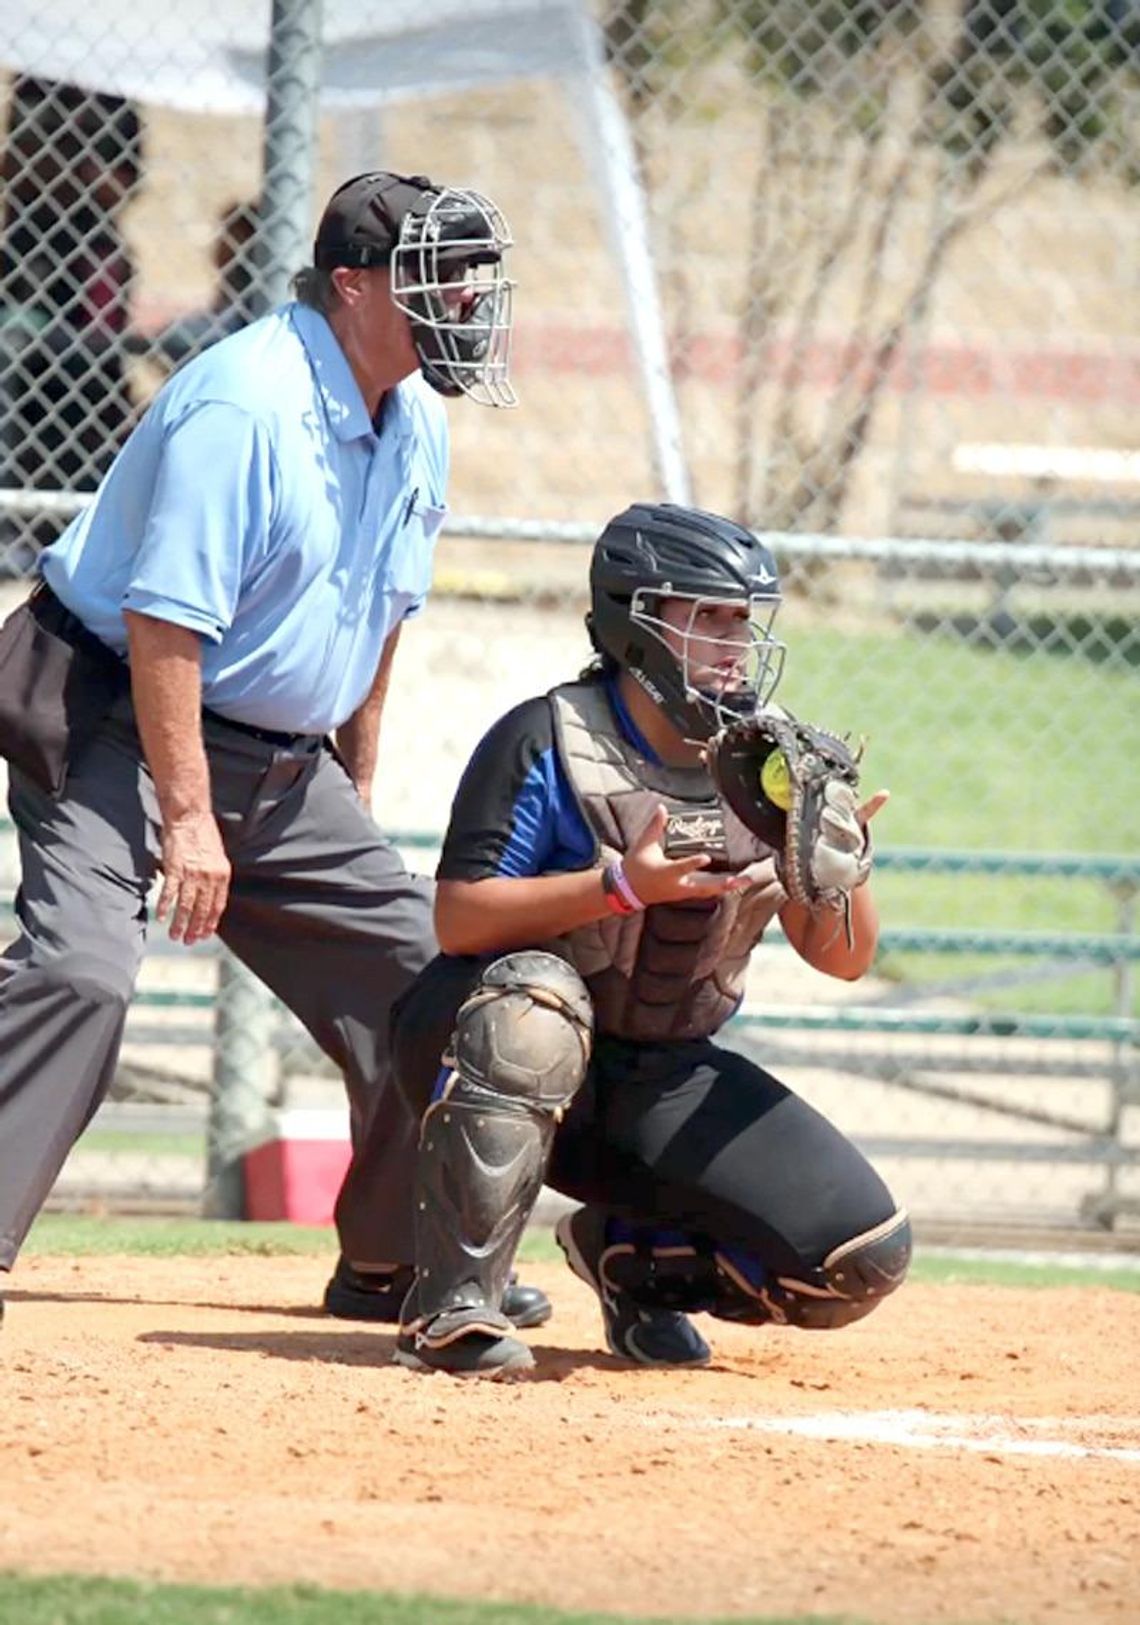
[624, 889]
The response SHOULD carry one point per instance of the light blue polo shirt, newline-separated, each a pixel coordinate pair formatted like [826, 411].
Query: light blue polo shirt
[256, 505]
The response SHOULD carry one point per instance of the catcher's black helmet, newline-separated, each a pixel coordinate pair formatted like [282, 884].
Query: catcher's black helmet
[658, 551]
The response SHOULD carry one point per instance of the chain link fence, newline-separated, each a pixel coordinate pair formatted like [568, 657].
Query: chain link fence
[862, 274]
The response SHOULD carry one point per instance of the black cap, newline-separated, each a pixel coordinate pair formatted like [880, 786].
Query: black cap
[362, 219]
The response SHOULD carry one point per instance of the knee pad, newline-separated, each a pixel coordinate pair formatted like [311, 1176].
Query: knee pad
[521, 1048]
[525, 1033]
[851, 1281]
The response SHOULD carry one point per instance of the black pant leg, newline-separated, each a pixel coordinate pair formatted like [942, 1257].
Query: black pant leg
[66, 982]
[322, 908]
[696, 1136]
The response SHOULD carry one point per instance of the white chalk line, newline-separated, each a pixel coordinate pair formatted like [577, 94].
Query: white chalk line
[934, 1430]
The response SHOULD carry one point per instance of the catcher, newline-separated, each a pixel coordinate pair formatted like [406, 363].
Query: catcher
[616, 849]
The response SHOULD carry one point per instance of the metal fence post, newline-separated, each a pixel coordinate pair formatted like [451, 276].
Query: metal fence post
[244, 1076]
[244, 1085]
[1111, 1203]
[290, 146]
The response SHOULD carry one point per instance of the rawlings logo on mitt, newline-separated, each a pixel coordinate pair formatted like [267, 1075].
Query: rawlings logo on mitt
[796, 787]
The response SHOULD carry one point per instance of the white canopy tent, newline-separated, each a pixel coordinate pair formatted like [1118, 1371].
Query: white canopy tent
[212, 55]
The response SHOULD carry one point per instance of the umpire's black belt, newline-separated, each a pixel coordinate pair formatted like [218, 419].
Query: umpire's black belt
[77, 634]
[267, 736]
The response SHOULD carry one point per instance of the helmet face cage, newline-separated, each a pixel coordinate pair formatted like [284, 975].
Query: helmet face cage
[717, 680]
[448, 279]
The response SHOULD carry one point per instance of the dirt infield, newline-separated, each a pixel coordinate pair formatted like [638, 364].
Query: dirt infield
[967, 1454]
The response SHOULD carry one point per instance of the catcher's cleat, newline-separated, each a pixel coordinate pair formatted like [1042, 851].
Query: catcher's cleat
[464, 1343]
[650, 1336]
[377, 1295]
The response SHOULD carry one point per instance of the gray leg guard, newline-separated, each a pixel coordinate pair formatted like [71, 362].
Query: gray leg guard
[852, 1280]
[521, 1047]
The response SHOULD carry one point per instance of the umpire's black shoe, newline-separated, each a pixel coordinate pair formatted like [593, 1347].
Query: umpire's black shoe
[377, 1295]
[525, 1306]
[650, 1336]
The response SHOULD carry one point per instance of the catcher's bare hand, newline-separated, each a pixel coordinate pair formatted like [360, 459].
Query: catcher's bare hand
[855, 869]
[657, 878]
[869, 808]
[196, 877]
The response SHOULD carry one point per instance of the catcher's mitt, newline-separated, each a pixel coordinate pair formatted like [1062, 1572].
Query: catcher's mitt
[796, 787]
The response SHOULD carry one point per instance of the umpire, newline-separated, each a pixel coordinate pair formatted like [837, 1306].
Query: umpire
[246, 567]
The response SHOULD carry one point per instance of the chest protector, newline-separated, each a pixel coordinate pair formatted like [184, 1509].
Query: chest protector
[675, 970]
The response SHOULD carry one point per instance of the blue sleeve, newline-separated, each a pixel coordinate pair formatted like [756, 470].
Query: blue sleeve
[514, 813]
[208, 519]
[534, 822]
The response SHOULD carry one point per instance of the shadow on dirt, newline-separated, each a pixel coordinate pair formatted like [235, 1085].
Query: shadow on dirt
[331, 1348]
[298, 1311]
[372, 1348]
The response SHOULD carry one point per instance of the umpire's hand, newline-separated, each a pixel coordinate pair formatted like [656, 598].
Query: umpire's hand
[196, 877]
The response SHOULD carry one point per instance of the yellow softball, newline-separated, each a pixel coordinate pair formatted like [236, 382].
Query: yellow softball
[776, 781]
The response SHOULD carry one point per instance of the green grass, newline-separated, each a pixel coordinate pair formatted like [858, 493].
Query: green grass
[1087, 992]
[951, 1270]
[79, 1236]
[1005, 903]
[84, 1236]
[120, 1141]
[78, 1600]
[957, 734]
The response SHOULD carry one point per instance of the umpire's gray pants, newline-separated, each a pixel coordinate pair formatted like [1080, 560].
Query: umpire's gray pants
[320, 907]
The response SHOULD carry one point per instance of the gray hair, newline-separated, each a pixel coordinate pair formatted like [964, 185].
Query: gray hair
[315, 288]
